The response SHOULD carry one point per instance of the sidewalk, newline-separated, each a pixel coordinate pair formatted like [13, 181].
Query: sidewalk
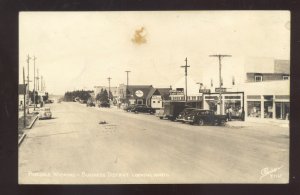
[249, 123]
[30, 120]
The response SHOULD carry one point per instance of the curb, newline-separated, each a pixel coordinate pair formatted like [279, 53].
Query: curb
[30, 126]
[21, 139]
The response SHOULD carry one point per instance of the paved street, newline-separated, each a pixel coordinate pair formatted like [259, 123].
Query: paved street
[73, 148]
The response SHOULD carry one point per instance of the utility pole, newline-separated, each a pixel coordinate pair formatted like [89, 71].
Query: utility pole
[185, 67]
[37, 80]
[219, 56]
[25, 92]
[109, 87]
[34, 58]
[127, 71]
[41, 83]
[28, 58]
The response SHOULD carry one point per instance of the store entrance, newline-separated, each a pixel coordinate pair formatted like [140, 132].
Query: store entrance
[282, 110]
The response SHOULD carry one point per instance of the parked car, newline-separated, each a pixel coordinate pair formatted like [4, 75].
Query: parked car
[160, 113]
[45, 113]
[143, 108]
[129, 108]
[49, 101]
[182, 114]
[201, 117]
[90, 104]
[104, 104]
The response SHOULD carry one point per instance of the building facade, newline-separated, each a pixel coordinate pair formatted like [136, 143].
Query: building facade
[139, 94]
[262, 93]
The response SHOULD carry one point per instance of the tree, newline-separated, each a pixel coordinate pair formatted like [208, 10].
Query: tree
[102, 96]
[83, 95]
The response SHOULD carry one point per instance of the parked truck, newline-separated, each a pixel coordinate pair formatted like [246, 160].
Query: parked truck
[171, 110]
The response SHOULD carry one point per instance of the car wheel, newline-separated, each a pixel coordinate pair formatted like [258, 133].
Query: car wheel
[216, 123]
[136, 112]
[161, 117]
[200, 122]
[222, 122]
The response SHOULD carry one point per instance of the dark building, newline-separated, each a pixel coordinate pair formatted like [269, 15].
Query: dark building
[139, 94]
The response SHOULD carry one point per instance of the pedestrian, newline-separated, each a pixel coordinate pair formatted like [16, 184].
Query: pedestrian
[227, 113]
[21, 105]
[230, 113]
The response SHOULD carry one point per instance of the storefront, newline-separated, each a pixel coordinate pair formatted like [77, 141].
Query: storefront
[267, 100]
[233, 100]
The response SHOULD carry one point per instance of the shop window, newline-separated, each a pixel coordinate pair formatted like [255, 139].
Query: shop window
[282, 110]
[258, 78]
[235, 106]
[253, 109]
[158, 101]
[153, 101]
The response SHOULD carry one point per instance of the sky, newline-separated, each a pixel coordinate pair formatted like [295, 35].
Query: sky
[80, 50]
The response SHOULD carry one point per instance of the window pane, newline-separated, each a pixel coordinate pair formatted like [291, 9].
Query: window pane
[253, 109]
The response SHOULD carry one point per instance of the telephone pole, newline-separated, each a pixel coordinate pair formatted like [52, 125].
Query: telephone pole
[109, 87]
[25, 92]
[37, 80]
[219, 56]
[41, 83]
[34, 58]
[127, 71]
[185, 67]
[28, 58]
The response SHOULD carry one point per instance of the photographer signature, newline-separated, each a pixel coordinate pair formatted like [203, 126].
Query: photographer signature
[271, 172]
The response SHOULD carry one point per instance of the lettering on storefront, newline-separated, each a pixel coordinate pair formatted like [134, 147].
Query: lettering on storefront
[222, 90]
[175, 92]
[204, 90]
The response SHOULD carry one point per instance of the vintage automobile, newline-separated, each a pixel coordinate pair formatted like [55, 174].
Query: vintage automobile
[182, 114]
[49, 101]
[143, 108]
[129, 108]
[160, 113]
[104, 104]
[45, 113]
[201, 117]
[91, 104]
